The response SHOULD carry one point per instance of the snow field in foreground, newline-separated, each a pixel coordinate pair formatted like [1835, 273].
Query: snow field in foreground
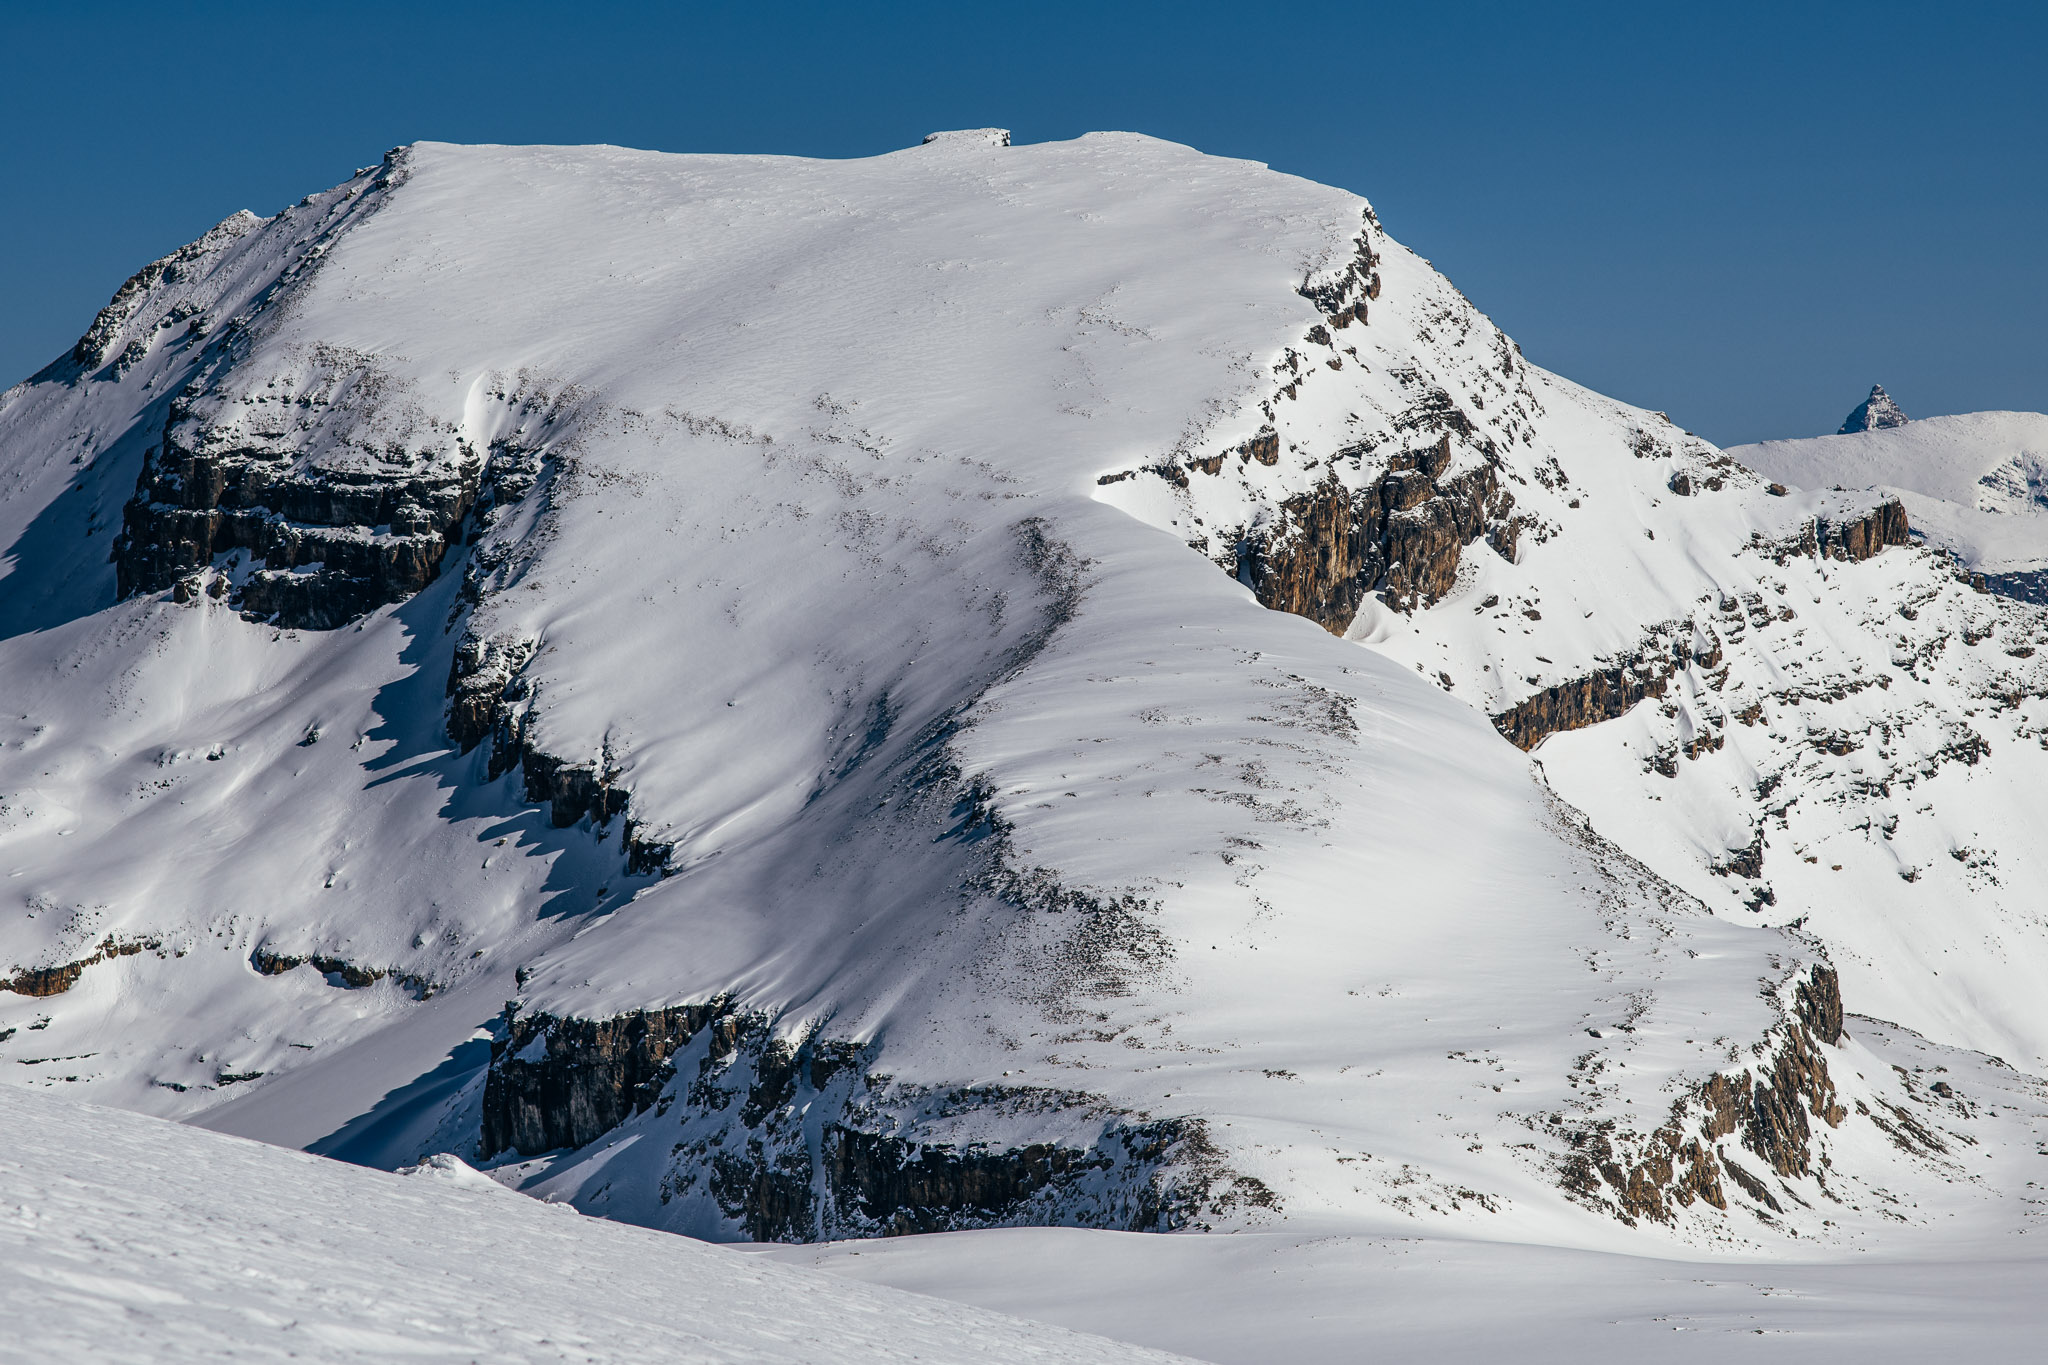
[124, 1238]
[1251, 1297]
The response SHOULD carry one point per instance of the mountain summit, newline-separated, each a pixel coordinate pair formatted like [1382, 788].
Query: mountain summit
[1079, 683]
[1874, 413]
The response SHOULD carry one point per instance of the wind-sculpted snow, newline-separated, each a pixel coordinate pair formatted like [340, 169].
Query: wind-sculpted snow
[128, 1238]
[831, 701]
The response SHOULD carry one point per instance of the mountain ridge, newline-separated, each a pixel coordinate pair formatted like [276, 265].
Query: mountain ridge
[880, 551]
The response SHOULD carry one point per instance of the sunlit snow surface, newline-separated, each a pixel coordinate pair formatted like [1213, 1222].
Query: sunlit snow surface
[1976, 483]
[1252, 1298]
[820, 551]
[125, 1238]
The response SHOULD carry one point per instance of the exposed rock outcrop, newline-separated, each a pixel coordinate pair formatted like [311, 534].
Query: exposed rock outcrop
[797, 1139]
[1600, 695]
[1768, 1108]
[1341, 294]
[46, 981]
[557, 1082]
[490, 698]
[2028, 585]
[1874, 413]
[1860, 537]
[98, 343]
[1401, 535]
[334, 542]
[1851, 537]
[1747, 861]
[339, 971]
[1609, 691]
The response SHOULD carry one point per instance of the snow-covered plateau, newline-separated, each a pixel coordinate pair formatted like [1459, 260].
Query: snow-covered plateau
[996, 686]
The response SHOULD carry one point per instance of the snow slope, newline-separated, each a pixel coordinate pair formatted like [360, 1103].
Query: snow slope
[845, 730]
[1976, 484]
[129, 1238]
[1255, 1297]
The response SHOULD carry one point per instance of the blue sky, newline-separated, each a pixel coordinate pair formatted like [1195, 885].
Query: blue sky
[1744, 215]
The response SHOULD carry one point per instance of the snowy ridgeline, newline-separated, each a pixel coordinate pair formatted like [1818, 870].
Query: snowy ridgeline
[1975, 485]
[129, 1238]
[990, 685]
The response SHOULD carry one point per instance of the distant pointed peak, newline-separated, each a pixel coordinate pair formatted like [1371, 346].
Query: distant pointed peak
[1875, 413]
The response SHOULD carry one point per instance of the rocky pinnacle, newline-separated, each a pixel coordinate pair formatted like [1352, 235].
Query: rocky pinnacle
[1874, 413]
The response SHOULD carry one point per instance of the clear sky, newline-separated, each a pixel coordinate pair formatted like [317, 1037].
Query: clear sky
[1742, 214]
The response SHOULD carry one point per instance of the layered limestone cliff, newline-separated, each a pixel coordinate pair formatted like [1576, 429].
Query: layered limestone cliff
[305, 544]
[566, 1082]
[799, 1139]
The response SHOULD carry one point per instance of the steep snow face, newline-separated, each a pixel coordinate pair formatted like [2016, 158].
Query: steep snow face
[1761, 692]
[129, 1238]
[1875, 413]
[1795, 729]
[1976, 484]
[867, 767]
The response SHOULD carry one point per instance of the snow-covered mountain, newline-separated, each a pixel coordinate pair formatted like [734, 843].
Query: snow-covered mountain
[1975, 485]
[786, 699]
[1875, 413]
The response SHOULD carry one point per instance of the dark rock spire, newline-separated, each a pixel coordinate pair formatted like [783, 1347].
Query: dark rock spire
[1874, 414]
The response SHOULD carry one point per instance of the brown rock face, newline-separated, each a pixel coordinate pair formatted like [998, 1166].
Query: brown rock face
[1796, 1084]
[1820, 1005]
[1851, 538]
[1861, 537]
[1600, 695]
[1345, 291]
[1768, 1108]
[1672, 1172]
[1402, 535]
[46, 981]
[1748, 861]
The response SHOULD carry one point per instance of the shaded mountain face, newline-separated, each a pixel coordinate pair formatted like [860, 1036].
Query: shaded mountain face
[1875, 413]
[989, 684]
